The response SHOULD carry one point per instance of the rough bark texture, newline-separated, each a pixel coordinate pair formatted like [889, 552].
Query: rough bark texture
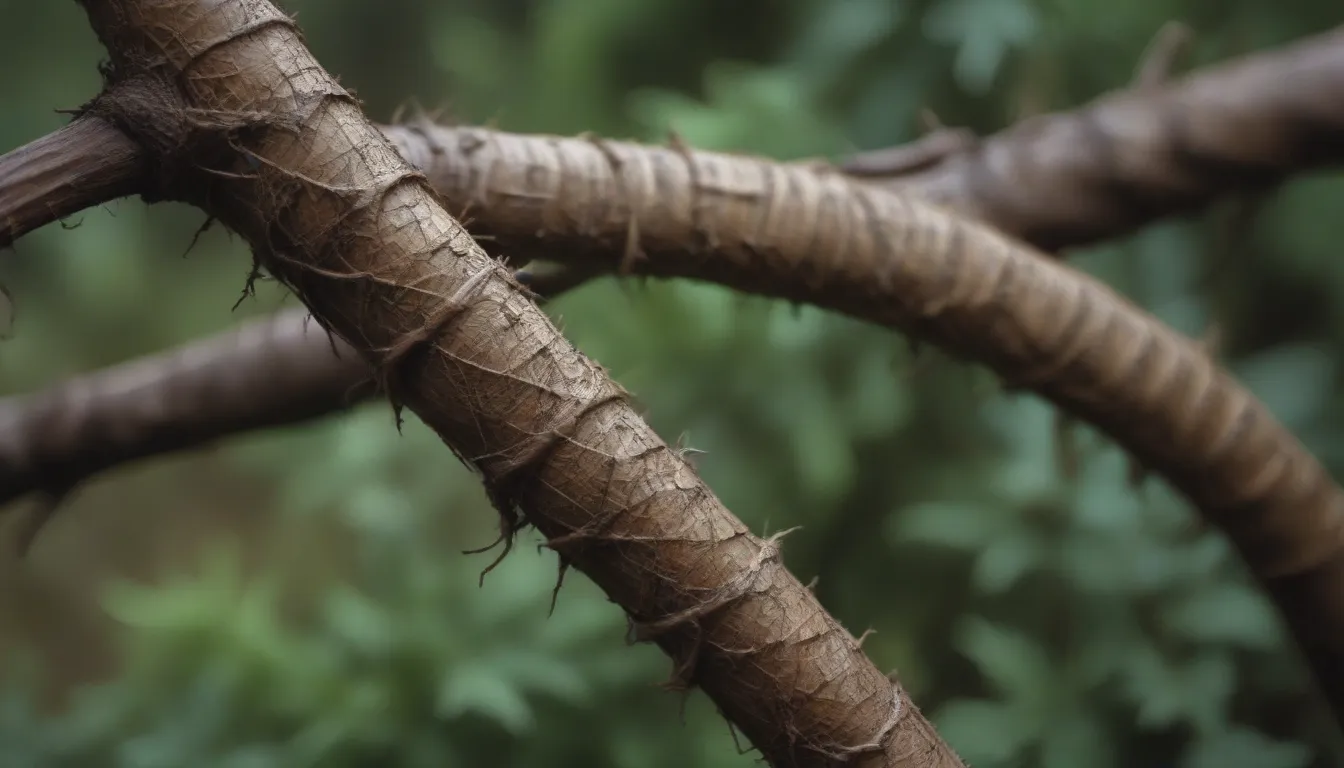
[277, 370]
[63, 173]
[792, 232]
[62, 435]
[808, 235]
[1076, 177]
[1057, 180]
[243, 122]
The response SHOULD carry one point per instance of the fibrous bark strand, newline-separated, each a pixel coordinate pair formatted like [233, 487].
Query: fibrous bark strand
[792, 232]
[274, 148]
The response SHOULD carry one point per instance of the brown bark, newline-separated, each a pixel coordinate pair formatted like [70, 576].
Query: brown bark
[80, 165]
[1059, 180]
[276, 370]
[1076, 177]
[54, 439]
[244, 123]
[793, 232]
[790, 232]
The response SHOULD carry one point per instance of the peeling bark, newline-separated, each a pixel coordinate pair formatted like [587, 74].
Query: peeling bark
[243, 122]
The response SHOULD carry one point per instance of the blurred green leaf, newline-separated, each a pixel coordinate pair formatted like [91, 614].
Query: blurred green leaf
[1013, 663]
[948, 524]
[360, 622]
[1227, 614]
[1168, 692]
[983, 732]
[1006, 560]
[1293, 381]
[484, 691]
[1078, 739]
[1245, 748]
[984, 31]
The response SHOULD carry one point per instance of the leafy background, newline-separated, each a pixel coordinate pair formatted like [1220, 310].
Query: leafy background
[300, 597]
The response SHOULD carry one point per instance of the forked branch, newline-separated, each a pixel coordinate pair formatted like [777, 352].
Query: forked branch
[243, 122]
[812, 236]
[822, 238]
[1072, 178]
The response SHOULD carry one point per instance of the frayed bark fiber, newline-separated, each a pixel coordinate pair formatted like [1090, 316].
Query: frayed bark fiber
[271, 146]
[799, 233]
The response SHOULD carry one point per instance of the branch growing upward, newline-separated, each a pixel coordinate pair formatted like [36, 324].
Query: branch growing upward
[240, 120]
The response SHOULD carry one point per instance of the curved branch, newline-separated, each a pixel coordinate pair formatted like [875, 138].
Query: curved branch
[85, 163]
[790, 232]
[1191, 423]
[1059, 180]
[1132, 156]
[250, 128]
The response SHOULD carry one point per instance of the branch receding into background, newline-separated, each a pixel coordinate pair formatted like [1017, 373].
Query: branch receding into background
[1055, 180]
[1073, 178]
[283, 368]
[245, 124]
[1058, 180]
[83, 164]
[791, 232]
[271, 371]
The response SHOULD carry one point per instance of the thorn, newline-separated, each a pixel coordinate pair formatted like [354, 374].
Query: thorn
[196, 236]
[559, 582]
[1211, 341]
[929, 121]
[1163, 54]
[926, 152]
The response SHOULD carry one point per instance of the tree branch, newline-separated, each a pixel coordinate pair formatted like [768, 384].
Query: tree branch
[793, 232]
[85, 163]
[245, 124]
[1132, 156]
[282, 368]
[742, 222]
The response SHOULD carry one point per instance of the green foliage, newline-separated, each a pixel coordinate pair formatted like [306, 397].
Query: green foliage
[1044, 609]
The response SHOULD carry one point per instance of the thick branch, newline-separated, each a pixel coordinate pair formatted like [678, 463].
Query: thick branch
[1072, 178]
[792, 232]
[84, 164]
[1058, 180]
[1299, 556]
[246, 125]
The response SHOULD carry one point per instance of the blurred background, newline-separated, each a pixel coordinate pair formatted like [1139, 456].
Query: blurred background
[301, 598]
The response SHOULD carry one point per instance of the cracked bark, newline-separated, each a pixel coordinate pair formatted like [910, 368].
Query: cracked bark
[240, 120]
[795, 232]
